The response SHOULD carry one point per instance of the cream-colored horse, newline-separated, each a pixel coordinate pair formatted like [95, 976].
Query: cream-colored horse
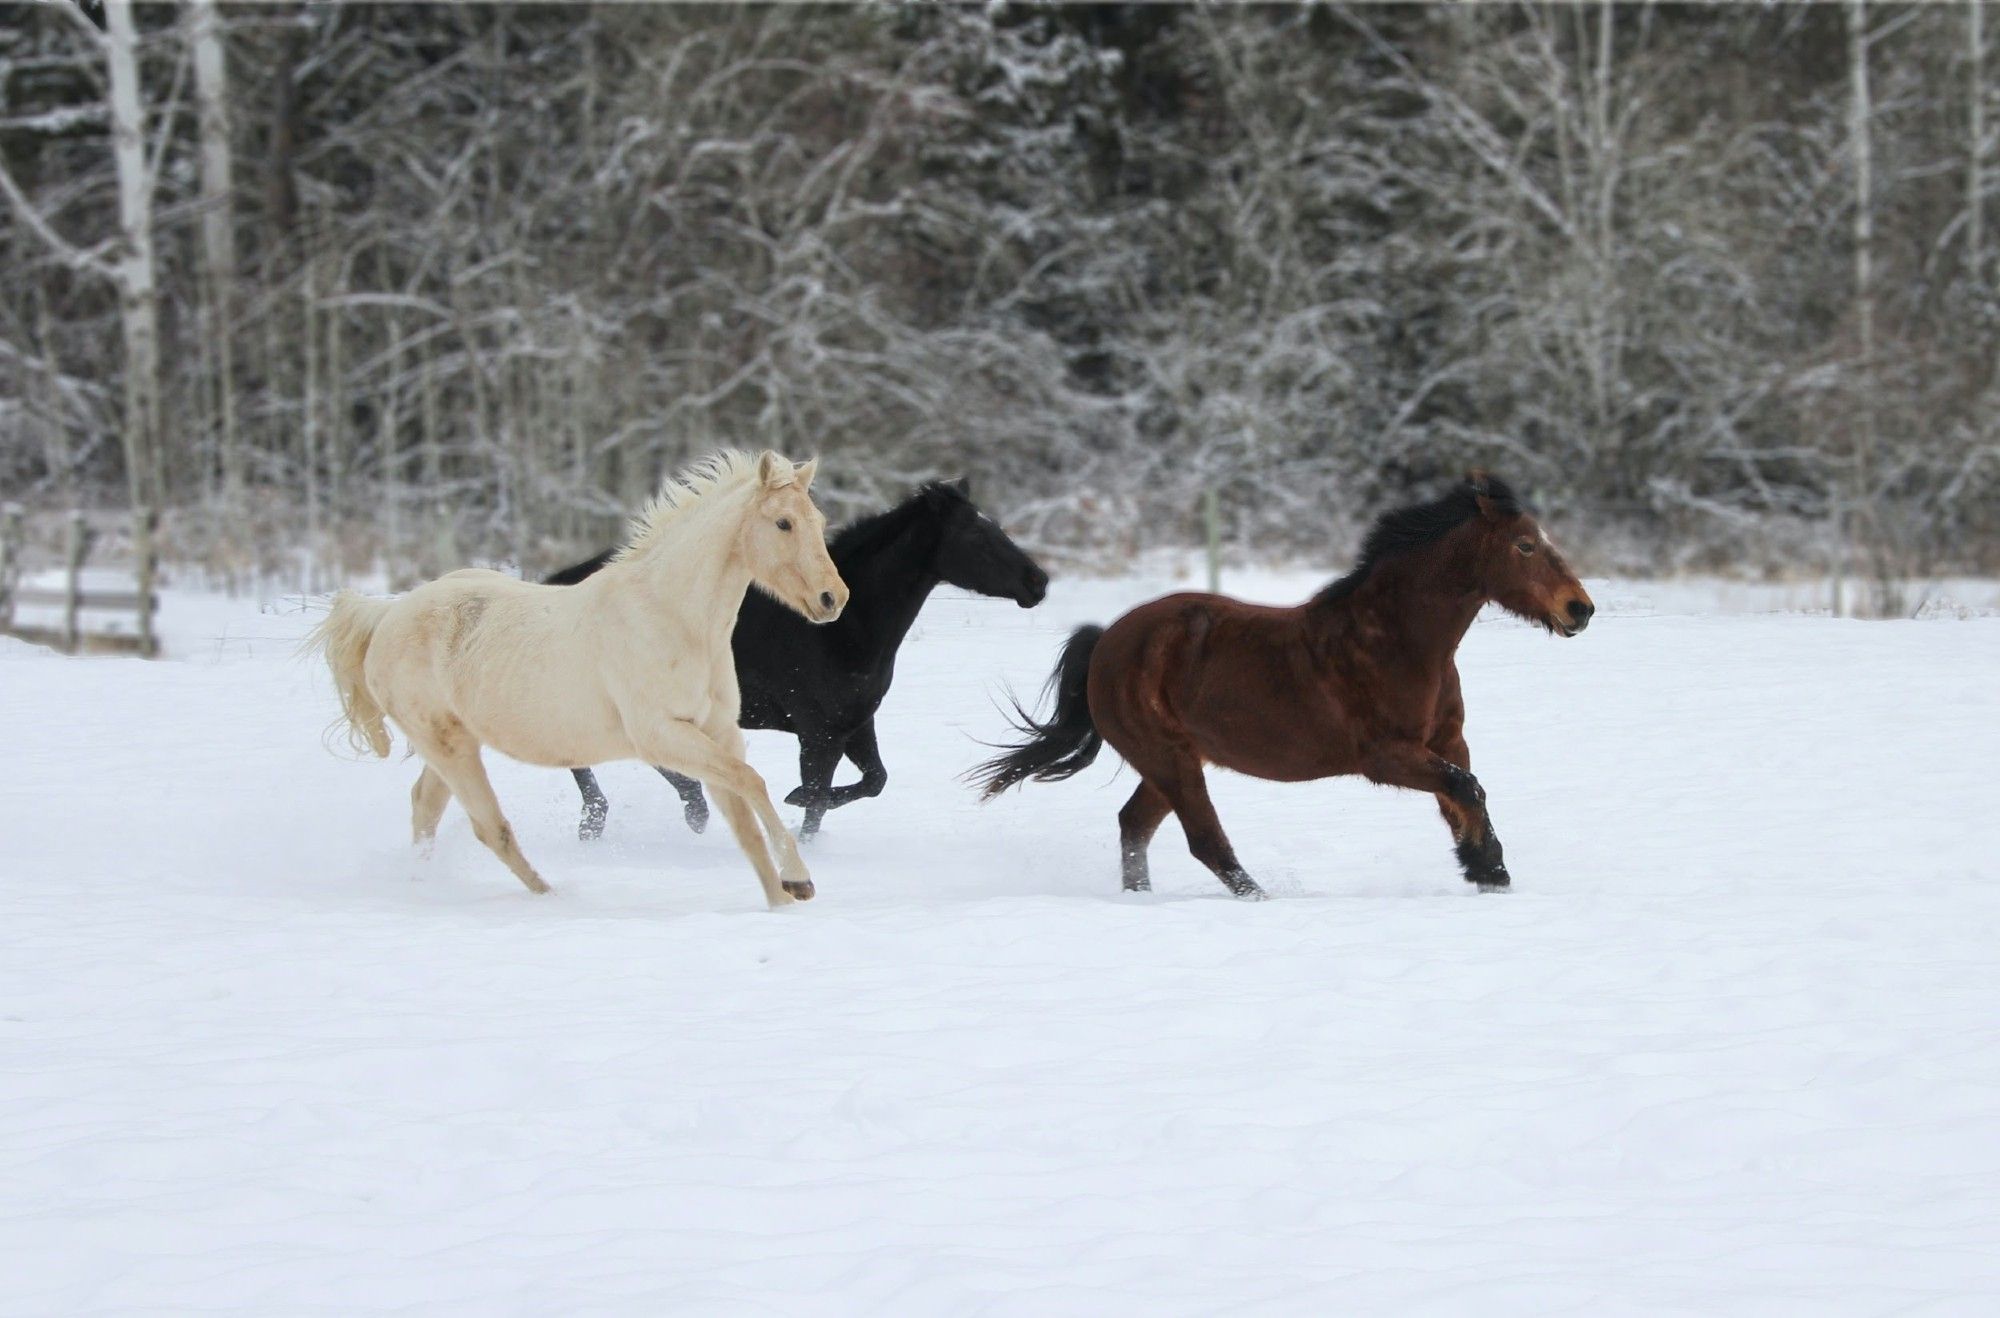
[633, 663]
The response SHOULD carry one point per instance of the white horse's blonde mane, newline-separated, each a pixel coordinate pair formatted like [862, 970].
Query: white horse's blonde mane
[731, 469]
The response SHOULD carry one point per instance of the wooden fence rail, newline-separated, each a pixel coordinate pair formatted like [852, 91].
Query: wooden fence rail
[70, 637]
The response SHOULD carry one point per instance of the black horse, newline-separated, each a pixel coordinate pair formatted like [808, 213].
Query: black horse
[823, 684]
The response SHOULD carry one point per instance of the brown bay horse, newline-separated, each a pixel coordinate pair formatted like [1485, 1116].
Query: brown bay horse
[1360, 679]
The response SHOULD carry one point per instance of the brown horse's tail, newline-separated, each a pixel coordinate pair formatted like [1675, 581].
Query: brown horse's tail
[1061, 747]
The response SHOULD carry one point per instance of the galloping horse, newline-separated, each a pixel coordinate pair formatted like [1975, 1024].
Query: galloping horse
[633, 664]
[1360, 679]
[824, 684]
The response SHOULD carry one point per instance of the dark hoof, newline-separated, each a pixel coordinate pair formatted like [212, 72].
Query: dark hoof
[1491, 882]
[696, 813]
[1143, 885]
[797, 795]
[800, 889]
[1244, 888]
[591, 828]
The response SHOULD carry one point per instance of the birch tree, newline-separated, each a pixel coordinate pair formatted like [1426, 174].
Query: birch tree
[128, 261]
[218, 227]
[1860, 466]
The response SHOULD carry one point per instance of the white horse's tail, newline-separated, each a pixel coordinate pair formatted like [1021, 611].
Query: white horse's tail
[343, 638]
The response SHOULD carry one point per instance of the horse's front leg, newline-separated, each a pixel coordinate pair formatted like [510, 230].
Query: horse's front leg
[867, 757]
[818, 757]
[694, 806]
[1445, 773]
[715, 755]
[1472, 834]
[860, 751]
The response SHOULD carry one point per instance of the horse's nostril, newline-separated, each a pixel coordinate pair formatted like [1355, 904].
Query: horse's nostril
[826, 599]
[1581, 611]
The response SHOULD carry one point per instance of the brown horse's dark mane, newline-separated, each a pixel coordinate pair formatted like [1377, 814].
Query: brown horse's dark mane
[1406, 529]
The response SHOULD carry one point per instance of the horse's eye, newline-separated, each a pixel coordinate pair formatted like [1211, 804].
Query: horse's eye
[784, 523]
[1525, 546]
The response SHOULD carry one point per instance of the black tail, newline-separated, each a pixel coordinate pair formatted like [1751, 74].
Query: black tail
[576, 572]
[1061, 747]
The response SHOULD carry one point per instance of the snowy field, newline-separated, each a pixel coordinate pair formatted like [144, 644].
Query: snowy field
[1732, 1045]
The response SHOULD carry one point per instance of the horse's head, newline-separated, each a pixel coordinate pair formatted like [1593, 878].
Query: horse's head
[974, 554]
[1518, 568]
[783, 541]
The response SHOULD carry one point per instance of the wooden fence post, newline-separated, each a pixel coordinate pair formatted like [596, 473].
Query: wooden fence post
[10, 561]
[74, 550]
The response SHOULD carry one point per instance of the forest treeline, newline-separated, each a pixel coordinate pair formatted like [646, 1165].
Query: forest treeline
[428, 283]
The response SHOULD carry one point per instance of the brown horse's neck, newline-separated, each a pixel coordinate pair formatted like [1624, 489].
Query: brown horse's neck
[1417, 605]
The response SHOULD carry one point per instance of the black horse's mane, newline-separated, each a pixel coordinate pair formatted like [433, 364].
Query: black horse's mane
[866, 533]
[1398, 532]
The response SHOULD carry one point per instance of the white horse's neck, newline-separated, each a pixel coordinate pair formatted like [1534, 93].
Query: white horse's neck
[690, 567]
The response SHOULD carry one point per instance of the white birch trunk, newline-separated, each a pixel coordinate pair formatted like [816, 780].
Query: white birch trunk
[1860, 116]
[138, 292]
[1975, 171]
[390, 442]
[218, 229]
[309, 410]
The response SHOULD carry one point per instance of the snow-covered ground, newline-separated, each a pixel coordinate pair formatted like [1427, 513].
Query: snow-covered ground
[1731, 1045]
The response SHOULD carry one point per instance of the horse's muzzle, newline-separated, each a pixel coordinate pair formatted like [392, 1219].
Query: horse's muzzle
[1034, 589]
[1580, 613]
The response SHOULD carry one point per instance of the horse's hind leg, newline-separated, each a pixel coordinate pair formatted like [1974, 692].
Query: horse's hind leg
[1137, 823]
[427, 802]
[596, 806]
[1186, 790]
[459, 765]
[694, 805]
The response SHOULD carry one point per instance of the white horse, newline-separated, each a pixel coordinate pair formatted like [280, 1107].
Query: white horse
[633, 663]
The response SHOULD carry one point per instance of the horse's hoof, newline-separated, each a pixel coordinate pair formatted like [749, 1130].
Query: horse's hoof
[1242, 887]
[697, 817]
[589, 832]
[1492, 882]
[800, 889]
[1139, 887]
[797, 796]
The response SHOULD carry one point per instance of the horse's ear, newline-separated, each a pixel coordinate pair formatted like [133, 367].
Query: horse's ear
[772, 470]
[1480, 482]
[805, 471]
[963, 485]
